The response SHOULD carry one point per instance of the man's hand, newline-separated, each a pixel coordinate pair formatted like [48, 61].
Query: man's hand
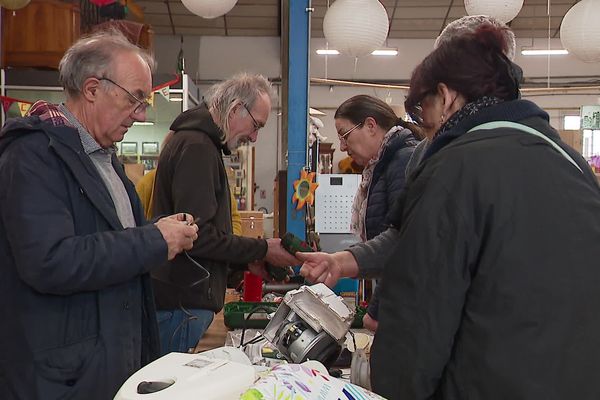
[258, 268]
[178, 234]
[278, 256]
[184, 217]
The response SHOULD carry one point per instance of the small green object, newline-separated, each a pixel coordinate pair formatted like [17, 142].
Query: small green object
[293, 244]
[279, 274]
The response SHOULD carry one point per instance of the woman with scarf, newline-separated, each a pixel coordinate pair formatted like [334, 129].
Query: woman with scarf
[376, 139]
[498, 295]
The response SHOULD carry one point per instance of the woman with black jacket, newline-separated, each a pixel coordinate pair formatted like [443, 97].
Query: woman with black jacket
[497, 297]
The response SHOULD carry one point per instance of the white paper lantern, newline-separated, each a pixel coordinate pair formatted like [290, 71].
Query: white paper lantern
[356, 27]
[209, 8]
[580, 30]
[503, 10]
[14, 4]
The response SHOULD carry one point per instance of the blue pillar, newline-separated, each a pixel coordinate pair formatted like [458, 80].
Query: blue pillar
[298, 59]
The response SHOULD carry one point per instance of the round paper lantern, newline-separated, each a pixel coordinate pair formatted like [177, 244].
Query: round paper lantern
[14, 4]
[580, 31]
[209, 8]
[356, 27]
[503, 10]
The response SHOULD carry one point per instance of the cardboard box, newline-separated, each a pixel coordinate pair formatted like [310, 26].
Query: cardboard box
[252, 224]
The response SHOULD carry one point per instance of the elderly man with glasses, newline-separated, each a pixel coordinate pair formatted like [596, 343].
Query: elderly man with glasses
[76, 300]
[191, 178]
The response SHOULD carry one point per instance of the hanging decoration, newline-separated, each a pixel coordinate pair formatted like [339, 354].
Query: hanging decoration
[165, 88]
[503, 10]
[209, 8]
[304, 189]
[13, 4]
[9, 101]
[580, 31]
[356, 27]
[23, 107]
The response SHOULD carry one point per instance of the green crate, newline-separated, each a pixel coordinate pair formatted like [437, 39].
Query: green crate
[236, 313]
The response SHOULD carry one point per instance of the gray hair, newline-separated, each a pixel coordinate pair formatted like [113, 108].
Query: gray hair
[242, 88]
[469, 23]
[92, 56]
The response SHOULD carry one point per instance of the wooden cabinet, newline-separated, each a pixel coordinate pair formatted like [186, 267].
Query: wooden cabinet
[39, 34]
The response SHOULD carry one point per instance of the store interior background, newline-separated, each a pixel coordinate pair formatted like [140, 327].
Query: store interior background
[209, 59]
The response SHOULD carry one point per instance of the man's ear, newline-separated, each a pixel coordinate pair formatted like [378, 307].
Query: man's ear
[90, 88]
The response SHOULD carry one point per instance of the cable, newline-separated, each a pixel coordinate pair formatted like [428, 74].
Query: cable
[266, 309]
[190, 316]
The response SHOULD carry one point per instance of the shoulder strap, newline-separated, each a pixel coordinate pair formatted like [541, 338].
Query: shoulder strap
[527, 129]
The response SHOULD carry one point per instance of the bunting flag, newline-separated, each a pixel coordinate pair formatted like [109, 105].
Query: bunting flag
[151, 99]
[23, 107]
[165, 91]
[8, 101]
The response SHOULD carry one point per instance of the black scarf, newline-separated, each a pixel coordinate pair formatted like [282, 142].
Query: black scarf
[466, 111]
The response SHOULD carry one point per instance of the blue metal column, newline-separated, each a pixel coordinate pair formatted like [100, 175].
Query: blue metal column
[298, 59]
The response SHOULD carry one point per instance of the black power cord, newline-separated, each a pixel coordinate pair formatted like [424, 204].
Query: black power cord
[190, 317]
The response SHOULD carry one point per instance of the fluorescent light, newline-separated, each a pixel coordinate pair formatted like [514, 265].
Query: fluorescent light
[175, 99]
[378, 52]
[385, 52]
[143, 123]
[533, 52]
[330, 52]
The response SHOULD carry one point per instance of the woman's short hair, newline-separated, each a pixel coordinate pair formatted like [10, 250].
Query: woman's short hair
[473, 64]
[242, 88]
[92, 56]
[356, 109]
[469, 24]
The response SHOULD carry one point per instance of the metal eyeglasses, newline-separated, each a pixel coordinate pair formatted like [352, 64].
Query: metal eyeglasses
[142, 104]
[343, 136]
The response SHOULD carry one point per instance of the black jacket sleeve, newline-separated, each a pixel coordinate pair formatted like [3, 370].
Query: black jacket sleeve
[422, 298]
[199, 197]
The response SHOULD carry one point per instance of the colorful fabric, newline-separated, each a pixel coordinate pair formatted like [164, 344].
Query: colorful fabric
[50, 113]
[359, 206]
[299, 382]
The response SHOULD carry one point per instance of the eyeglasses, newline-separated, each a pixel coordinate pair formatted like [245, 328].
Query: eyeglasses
[416, 114]
[257, 126]
[143, 104]
[343, 136]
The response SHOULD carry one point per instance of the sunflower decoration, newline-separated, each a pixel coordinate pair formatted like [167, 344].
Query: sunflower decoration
[304, 189]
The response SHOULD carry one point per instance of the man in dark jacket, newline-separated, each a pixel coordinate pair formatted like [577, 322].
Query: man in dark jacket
[191, 178]
[75, 295]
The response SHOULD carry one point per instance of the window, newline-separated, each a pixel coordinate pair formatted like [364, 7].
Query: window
[571, 123]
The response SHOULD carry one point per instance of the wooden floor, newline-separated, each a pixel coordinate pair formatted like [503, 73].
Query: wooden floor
[217, 331]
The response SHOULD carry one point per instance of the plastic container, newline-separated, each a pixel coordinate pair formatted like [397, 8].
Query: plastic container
[236, 314]
[252, 287]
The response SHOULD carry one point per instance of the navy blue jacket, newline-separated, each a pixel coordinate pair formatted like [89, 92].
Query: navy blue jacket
[388, 181]
[68, 270]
